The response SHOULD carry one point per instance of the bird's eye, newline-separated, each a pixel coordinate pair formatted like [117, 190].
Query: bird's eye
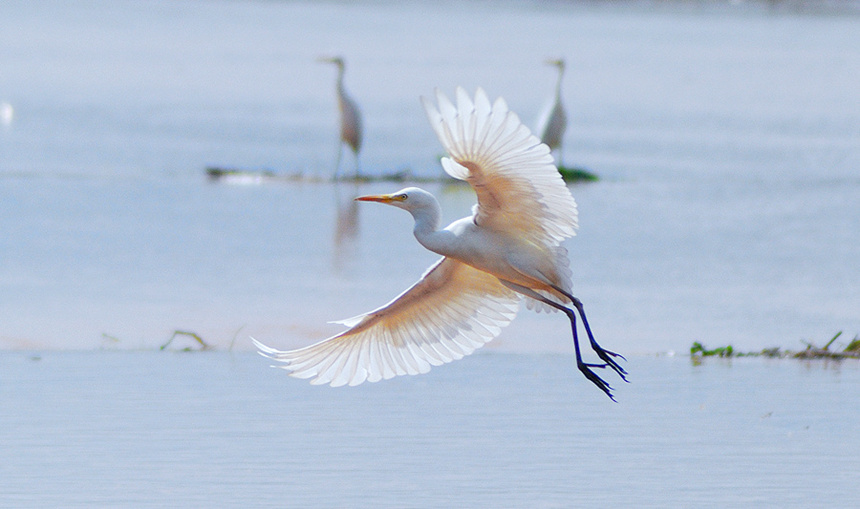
[401, 196]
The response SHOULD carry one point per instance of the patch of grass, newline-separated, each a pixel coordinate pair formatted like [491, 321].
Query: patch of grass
[812, 351]
[572, 174]
[193, 335]
[700, 350]
[773, 353]
[217, 172]
[852, 351]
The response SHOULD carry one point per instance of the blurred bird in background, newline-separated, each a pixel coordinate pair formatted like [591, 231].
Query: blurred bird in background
[350, 118]
[553, 121]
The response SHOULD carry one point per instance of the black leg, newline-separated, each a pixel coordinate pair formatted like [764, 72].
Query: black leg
[583, 367]
[605, 355]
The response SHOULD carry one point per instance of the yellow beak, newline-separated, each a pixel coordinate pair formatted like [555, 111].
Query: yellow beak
[381, 198]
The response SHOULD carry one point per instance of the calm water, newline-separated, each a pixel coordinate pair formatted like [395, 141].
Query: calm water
[496, 430]
[727, 137]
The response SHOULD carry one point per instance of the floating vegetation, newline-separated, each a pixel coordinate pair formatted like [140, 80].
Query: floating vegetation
[851, 351]
[812, 351]
[398, 176]
[110, 339]
[250, 176]
[244, 176]
[572, 174]
[700, 350]
[203, 344]
[240, 176]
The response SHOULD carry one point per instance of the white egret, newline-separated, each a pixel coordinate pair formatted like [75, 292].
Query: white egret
[508, 250]
[350, 117]
[553, 121]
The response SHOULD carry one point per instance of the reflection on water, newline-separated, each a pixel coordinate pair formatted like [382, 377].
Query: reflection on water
[346, 226]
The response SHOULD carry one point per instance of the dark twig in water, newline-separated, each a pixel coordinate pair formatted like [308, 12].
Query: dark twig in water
[110, 338]
[233, 341]
[852, 351]
[832, 340]
[203, 344]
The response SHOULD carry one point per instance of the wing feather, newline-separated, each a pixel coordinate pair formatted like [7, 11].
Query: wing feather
[451, 311]
[518, 186]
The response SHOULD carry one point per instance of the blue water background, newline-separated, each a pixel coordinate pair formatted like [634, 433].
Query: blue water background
[727, 139]
[160, 429]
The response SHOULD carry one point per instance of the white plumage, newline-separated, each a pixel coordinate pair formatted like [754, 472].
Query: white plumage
[509, 249]
[451, 311]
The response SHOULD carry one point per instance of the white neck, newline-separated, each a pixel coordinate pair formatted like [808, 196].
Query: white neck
[427, 232]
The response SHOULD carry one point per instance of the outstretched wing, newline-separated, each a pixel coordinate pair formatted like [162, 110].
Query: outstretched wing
[451, 311]
[519, 188]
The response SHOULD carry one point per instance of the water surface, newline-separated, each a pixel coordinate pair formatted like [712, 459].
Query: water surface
[516, 430]
[727, 138]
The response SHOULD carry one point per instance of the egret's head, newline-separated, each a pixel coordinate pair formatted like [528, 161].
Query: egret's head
[411, 198]
[336, 60]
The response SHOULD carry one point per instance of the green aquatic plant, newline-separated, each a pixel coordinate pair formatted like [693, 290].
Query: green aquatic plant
[774, 353]
[852, 351]
[812, 351]
[195, 336]
[572, 174]
[699, 350]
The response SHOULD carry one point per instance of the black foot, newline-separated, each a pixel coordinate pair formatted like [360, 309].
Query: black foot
[596, 380]
[606, 356]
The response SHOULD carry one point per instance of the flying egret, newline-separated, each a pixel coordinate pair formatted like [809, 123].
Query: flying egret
[350, 117]
[509, 250]
[553, 121]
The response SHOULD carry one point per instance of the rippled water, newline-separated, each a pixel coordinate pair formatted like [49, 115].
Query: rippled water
[512, 430]
[727, 139]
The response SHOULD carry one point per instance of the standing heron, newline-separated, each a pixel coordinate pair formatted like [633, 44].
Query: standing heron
[553, 121]
[509, 250]
[350, 118]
